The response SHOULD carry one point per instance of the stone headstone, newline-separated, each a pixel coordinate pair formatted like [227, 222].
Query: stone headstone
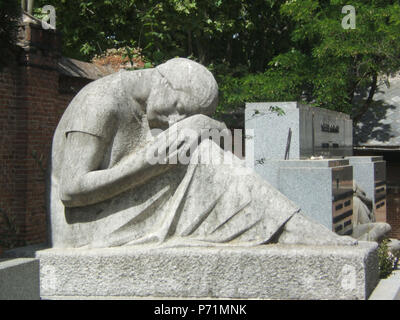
[299, 132]
[285, 135]
[322, 188]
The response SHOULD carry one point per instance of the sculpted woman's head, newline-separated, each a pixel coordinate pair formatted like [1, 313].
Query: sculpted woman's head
[182, 88]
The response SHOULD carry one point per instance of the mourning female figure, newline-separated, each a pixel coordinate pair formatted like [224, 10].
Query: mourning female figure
[105, 191]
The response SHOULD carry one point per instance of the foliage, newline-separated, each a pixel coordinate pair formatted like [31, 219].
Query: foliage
[213, 31]
[327, 66]
[256, 87]
[9, 14]
[335, 63]
[259, 50]
[126, 57]
[235, 38]
[386, 260]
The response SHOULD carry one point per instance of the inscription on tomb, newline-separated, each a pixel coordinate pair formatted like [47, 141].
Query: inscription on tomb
[331, 128]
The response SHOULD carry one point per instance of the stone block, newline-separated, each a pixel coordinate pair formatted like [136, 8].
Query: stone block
[263, 272]
[323, 189]
[19, 279]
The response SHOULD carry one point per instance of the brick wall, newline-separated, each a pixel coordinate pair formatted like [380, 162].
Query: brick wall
[11, 146]
[33, 97]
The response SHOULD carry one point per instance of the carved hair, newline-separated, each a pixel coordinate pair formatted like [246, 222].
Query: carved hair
[194, 79]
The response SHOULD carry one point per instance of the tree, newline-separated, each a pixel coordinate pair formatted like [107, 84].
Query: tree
[9, 13]
[259, 50]
[336, 64]
[238, 32]
[327, 65]
[234, 38]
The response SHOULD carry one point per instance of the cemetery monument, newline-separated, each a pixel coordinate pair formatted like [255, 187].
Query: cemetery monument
[306, 153]
[127, 219]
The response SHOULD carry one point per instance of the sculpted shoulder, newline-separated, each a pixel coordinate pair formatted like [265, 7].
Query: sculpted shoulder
[94, 109]
[107, 88]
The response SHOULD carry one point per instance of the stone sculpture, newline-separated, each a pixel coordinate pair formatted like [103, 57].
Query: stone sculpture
[105, 193]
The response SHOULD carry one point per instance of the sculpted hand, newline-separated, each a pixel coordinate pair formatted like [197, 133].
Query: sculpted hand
[201, 122]
[179, 141]
[192, 131]
[172, 144]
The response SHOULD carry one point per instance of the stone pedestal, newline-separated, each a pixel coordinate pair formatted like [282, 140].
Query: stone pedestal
[264, 272]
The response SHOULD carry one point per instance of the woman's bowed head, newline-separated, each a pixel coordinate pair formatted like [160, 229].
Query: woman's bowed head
[182, 88]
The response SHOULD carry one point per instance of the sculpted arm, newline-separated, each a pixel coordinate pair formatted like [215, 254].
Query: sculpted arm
[83, 183]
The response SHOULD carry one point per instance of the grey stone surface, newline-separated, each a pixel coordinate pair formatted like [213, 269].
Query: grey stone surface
[104, 192]
[316, 186]
[263, 272]
[323, 189]
[364, 173]
[271, 131]
[19, 279]
[126, 298]
[312, 128]
[375, 231]
[317, 163]
[388, 289]
[198, 229]
[269, 170]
